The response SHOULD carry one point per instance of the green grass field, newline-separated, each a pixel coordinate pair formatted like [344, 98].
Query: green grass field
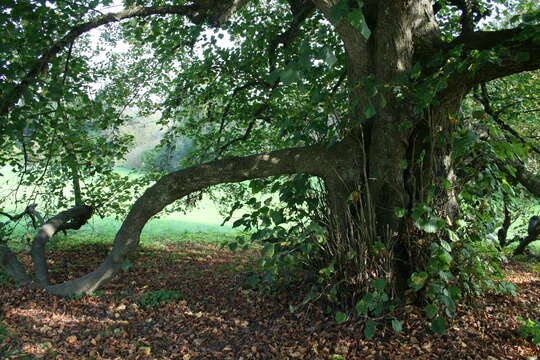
[202, 223]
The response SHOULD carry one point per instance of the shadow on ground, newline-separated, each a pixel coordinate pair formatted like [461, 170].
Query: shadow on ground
[214, 317]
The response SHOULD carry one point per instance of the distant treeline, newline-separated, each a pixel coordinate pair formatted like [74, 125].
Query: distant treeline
[149, 153]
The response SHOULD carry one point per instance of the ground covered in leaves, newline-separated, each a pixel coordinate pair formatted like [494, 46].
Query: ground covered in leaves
[211, 316]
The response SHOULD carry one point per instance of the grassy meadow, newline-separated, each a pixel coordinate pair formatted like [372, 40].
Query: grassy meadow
[202, 223]
[199, 224]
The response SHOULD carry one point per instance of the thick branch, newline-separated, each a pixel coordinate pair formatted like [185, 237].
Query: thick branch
[301, 11]
[532, 234]
[73, 218]
[316, 160]
[215, 11]
[31, 212]
[356, 46]
[502, 234]
[518, 51]
[529, 180]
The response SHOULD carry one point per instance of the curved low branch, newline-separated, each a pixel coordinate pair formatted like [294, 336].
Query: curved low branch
[532, 234]
[217, 11]
[73, 218]
[316, 160]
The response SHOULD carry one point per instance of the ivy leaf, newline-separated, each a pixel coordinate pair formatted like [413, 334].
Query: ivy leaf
[418, 280]
[341, 317]
[369, 111]
[362, 307]
[438, 325]
[369, 329]
[232, 246]
[431, 310]
[357, 19]
[396, 325]
[379, 283]
[268, 250]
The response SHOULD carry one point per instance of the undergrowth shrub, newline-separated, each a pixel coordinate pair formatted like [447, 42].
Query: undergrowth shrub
[5, 278]
[530, 330]
[157, 297]
[348, 271]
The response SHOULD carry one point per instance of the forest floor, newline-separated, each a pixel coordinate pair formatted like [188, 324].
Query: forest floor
[219, 319]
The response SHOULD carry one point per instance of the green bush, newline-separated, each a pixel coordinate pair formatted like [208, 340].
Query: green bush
[5, 278]
[153, 298]
[530, 329]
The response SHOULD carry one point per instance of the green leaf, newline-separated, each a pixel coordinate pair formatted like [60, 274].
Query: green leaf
[277, 217]
[438, 325]
[369, 329]
[232, 246]
[418, 280]
[329, 57]
[338, 11]
[341, 317]
[522, 56]
[396, 325]
[253, 280]
[126, 264]
[403, 164]
[256, 186]
[289, 76]
[268, 250]
[379, 283]
[369, 110]
[445, 245]
[238, 223]
[356, 18]
[400, 212]
[378, 246]
[430, 226]
[431, 310]
[362, 307]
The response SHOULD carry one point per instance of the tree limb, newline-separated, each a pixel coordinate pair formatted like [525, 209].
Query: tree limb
[471, 13]
[301, 11]
[517, 48]
[318, 160]
[30, 211]
[532, 234]
[73, 218]
[529, 180]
